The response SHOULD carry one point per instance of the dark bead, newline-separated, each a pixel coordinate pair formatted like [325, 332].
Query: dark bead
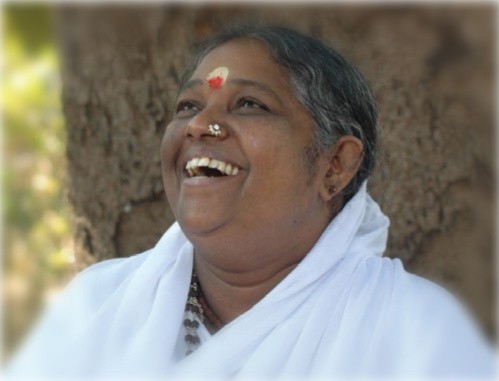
[191, 323]
[192, 339]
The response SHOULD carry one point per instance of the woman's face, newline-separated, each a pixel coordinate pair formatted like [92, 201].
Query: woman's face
[265, 133]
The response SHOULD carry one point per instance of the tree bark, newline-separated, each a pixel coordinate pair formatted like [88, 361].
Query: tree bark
[431, 68]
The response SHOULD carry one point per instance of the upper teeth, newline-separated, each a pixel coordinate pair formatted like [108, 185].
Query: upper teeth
[223, 167]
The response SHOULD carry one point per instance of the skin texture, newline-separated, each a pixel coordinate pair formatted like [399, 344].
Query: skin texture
[250, 230]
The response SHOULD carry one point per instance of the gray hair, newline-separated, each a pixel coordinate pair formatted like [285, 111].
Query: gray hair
[330, 88]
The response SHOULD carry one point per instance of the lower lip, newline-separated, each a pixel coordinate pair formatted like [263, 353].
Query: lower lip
[207, 181]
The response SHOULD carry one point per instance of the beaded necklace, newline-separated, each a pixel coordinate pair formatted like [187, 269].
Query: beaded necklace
[197, 310]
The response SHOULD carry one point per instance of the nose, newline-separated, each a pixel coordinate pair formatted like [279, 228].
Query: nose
[206, 125]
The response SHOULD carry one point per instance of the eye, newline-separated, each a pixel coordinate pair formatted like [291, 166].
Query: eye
[251, 103]
[185, 108]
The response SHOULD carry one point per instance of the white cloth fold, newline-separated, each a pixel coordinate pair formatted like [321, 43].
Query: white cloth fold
[342, 312]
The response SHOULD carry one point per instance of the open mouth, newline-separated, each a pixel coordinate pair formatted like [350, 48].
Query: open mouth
[206, 167]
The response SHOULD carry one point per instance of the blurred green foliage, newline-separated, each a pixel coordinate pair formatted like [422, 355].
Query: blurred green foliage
[38, 249]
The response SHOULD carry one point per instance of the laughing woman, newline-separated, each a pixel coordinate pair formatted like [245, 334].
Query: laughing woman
[273, 268]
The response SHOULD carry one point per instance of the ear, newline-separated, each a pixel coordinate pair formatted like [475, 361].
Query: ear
[343, 163]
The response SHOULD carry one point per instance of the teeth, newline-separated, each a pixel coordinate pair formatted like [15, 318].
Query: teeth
[194, 162]
[221, 167]
[193, 165]
[203, 162]
[214, 163]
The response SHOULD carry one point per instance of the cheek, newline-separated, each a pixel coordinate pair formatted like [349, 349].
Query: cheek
[265, 142]
[275, 150]
[277, 164]
[165, 143]
[170, 146]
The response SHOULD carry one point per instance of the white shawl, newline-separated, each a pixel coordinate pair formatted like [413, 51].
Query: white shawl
[342, 312]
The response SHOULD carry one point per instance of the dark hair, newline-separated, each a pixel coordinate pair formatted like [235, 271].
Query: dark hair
[330, 88]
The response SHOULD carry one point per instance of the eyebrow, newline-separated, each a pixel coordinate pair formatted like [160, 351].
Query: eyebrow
[255, 84]
[189, 85]
[238, 82]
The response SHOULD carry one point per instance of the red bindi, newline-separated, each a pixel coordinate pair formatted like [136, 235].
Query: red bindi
[217, 77]
[216, 82]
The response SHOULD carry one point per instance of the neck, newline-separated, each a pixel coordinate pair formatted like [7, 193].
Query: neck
[236, 270]
[230, 294]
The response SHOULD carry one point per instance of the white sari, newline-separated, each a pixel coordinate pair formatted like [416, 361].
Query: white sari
[343, 312]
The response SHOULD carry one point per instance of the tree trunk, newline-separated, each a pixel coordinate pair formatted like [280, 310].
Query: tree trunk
[431, 69]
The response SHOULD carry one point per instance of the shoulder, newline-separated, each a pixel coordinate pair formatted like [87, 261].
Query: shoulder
[93, 287]
[58, 330]
[427, 323]
[112, 270]
[390, 273]
[413, 297]
[97, 282]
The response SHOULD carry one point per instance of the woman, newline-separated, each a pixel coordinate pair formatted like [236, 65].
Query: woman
[273, 268]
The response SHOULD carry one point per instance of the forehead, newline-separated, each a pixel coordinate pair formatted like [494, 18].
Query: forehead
[245, 59]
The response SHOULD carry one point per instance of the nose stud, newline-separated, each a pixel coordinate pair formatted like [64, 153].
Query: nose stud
[214, 129]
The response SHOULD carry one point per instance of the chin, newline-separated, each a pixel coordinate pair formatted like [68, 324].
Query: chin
[197, 224]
